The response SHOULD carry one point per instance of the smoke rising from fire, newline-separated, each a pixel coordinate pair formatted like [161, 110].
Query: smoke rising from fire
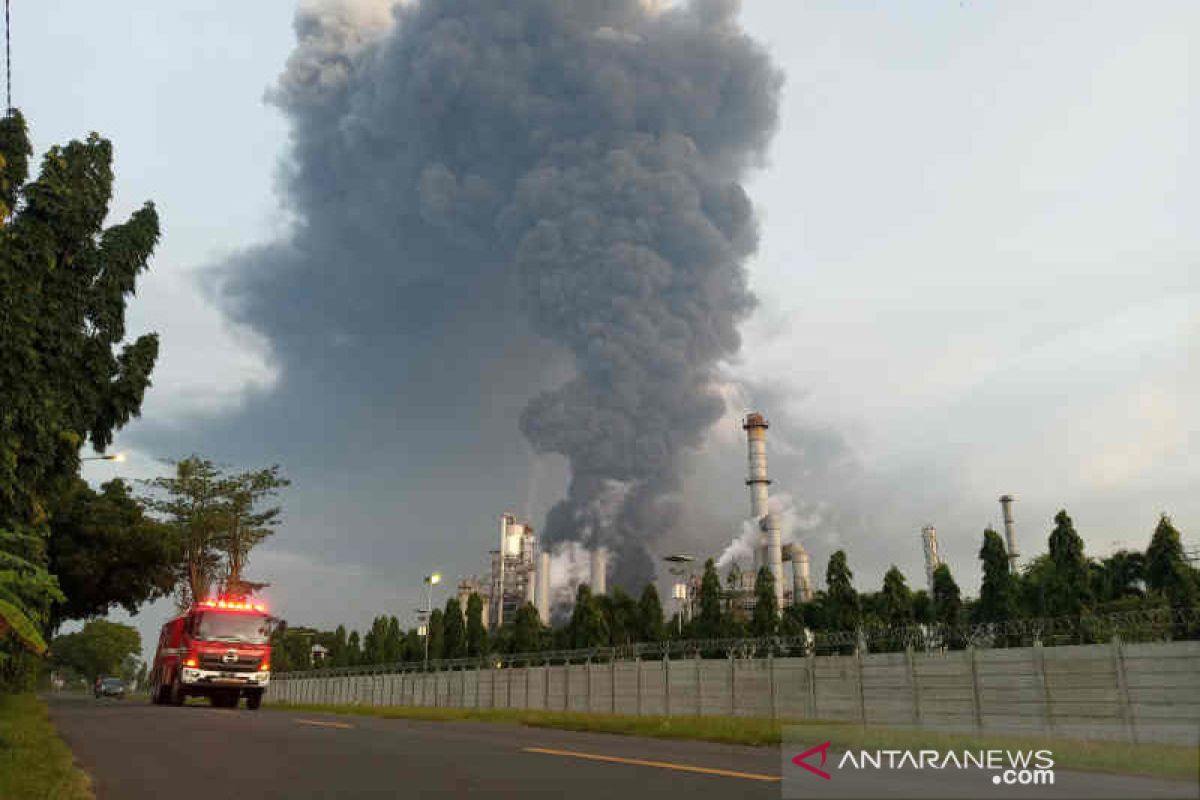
[578, 161]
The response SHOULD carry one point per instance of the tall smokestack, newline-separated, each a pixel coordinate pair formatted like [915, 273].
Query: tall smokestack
[543, 590]
[771, 550]
[1010, 533]
[599, 571]
[932, 559]
[801, 576]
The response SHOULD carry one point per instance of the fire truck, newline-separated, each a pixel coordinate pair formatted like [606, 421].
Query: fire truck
[219, 649]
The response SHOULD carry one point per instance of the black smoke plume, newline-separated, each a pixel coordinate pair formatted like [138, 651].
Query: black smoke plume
[532, 171]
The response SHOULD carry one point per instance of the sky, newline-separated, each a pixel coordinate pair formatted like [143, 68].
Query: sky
[973, 278]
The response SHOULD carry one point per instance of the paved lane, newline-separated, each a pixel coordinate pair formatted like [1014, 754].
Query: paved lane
[135, 750]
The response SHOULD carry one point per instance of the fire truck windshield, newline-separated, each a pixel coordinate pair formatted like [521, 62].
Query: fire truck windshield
[215, 626]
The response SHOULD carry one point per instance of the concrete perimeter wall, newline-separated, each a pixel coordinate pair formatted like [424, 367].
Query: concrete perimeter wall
[1127, 692]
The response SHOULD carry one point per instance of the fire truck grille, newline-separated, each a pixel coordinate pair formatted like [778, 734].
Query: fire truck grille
[244, 663]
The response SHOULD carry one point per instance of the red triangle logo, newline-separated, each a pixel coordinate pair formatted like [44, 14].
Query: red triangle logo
[823, 749]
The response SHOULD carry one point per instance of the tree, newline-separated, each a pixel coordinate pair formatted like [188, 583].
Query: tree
[437, 634]
[922, 607]
[622, 616]
[1167, 571]
[245, 523]
[100, 648]
[709, 618]
[527, 630]
[766, 612]
[895, 600]
[375, 642]
[588, 626]
[998, 592]
[354, 655]
[476, 633]
[947, 599]
[191, 501]
[650, 615]
[106, 552]
[64, 283]
[841, 600]
[1069, 589]
[393, 644]
[338, 656]
[455, 630]
[1120, 576]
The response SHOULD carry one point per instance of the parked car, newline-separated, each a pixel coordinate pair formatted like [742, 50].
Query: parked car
[111, 687]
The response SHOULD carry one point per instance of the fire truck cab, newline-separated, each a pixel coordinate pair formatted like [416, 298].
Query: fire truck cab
[219, 649]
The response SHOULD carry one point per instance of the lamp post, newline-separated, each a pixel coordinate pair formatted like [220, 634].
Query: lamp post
[430, 580]
[114, 457]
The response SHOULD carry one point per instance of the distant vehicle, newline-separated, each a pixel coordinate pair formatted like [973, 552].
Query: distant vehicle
[219, 649]
[111, 687]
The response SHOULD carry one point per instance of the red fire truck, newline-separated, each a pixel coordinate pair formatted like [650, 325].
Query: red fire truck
[219, 649]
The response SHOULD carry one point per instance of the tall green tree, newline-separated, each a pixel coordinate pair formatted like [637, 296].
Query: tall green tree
[709, 619]
[947, 599]
[354, 654]
[895, 599]
[375, 641]
[765, 620]
[998, 592]
[100, 648]
[246, 522]
[476, 633]
[650, 615]
[1069, 590]
[1119, 576]
[527, 630]
[393, 645]
[621, 611]
[1167, 571]
[454, 630]
[192, 502]
[922, 607]
[106, 552]
[67, 373]
[337, 648]
[588, 626]
[841, 600]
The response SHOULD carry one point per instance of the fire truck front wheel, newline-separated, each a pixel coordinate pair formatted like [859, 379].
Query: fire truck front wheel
[175, 694]
[254, 700]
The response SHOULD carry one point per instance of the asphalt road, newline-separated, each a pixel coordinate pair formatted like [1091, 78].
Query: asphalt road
[134, 750]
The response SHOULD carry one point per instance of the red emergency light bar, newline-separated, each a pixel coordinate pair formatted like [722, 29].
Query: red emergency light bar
[237, 605]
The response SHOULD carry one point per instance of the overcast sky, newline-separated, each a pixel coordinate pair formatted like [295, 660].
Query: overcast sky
[974, 278]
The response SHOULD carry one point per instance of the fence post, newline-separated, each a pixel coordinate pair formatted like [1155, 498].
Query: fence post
[862, 692]
[732, 685]
[1118, 652]
[1039, 675]
[976, 689]
[667, 683]
[612, 682]
[771, 681]
[914, 688]
[637, 662]
[810, 660]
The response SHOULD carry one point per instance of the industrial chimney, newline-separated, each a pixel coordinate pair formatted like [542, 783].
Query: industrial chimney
[599, 571]
[771, 550]
[543, 590]
[1010, 533]
[932, 559]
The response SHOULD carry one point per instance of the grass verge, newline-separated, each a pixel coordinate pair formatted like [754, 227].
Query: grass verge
[34, 762]
[1156, 760]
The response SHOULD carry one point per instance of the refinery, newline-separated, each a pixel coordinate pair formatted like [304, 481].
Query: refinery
[520, 567]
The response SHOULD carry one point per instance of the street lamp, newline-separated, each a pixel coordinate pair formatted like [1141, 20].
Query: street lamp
[115, 457]
[430, 581]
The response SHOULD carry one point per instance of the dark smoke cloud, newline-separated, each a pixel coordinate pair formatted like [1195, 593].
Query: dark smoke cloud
[472, 180]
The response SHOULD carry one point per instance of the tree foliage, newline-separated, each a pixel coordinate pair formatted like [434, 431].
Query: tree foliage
[765, 620]
[650, 615]
[1069, 588]
[709, 620]
[841, 600]
[1167, 572]
[896, 599]
[67, 373]
[947, 598]
[476, 633]
[455, 630]
[106, 552]
[100, 648]
[998, 592]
